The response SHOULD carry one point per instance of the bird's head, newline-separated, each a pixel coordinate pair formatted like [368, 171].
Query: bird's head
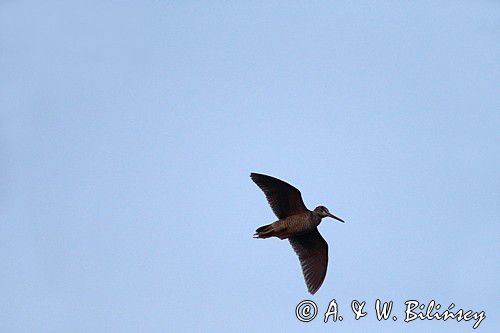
[324, 212]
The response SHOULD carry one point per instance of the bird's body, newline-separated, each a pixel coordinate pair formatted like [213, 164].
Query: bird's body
[290, 226]
[297, 224]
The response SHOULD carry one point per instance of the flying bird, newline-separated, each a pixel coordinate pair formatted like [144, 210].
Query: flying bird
[297, 224]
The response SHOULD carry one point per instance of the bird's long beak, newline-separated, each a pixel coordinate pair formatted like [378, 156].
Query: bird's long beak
[335, 217]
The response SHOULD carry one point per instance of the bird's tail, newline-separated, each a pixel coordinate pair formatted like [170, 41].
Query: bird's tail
[265, 231]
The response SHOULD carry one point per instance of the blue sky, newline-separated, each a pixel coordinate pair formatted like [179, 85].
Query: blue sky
[129, 129]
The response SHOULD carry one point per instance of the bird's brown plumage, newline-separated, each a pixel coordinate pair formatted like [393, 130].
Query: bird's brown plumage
[298, 224]
[284, 199]
[312, 250]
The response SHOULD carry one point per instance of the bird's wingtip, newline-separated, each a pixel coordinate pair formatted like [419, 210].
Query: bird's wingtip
[254, 176]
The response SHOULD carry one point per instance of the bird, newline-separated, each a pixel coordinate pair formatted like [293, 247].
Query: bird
[297, 224]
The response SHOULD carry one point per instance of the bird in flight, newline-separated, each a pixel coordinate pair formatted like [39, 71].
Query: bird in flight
[297, 224]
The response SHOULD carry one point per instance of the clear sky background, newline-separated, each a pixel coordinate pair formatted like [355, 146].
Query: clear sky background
[128, 131]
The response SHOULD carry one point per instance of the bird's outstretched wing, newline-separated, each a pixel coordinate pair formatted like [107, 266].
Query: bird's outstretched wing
[284, 199]
[312, 250]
